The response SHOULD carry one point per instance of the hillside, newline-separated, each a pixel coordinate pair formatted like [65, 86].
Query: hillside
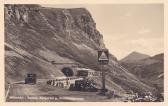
[149, 70]
[134, 56]
[35, 36]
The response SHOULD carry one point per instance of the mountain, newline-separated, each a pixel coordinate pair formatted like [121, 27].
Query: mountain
[36, 36]
[134, 56]
[149, 70]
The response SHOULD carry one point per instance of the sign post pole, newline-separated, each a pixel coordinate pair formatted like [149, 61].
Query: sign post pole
[103, 81]
[103, 59]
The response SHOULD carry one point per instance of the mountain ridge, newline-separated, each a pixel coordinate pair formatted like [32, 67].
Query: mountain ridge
[134, 56]
[149, 70]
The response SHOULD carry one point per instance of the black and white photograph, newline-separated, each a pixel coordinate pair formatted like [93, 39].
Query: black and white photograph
[84, 52]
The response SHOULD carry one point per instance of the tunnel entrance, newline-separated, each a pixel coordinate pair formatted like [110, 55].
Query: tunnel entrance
[67, 71]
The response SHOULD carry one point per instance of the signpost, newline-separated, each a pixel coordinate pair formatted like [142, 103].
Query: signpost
[103, 59]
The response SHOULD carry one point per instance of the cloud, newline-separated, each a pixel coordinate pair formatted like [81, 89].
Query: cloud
[144, 31]
[149, 46]
[127, 15]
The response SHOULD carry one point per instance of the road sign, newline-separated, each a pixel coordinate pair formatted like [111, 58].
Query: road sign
[103, 59]
[103, 56]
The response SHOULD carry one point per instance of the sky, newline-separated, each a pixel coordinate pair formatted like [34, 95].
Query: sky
[127, 27]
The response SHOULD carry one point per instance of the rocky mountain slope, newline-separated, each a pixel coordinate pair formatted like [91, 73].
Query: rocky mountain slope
[149, 70]
[35, 36]
[134, 56]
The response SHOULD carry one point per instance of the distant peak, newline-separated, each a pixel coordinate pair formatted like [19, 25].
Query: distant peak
[135, 52]
[134, 56]
[138, 53]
